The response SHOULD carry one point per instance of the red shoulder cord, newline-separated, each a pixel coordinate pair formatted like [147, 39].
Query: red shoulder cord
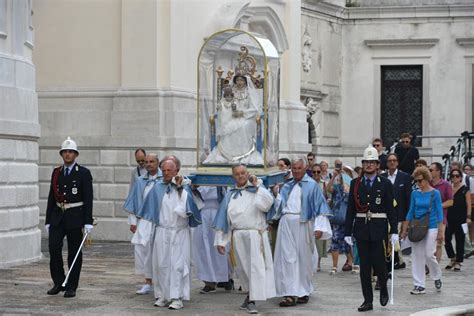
[360, 208]
[57, 195]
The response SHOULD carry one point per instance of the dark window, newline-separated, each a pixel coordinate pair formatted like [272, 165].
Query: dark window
[402, 102]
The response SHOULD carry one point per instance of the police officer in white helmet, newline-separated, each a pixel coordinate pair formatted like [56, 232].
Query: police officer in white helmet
[370, 210]
[68, 213]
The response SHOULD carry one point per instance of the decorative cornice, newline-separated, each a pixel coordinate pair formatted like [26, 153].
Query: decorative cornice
[112, 93]
[466, 42]
[309, 93]
[418, 42]
[378, 13]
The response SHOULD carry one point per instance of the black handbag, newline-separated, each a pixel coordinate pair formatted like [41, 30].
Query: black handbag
[418, 228]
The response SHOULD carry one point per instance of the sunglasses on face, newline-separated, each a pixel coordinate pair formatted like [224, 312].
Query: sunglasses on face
[455, 175]
[317, 171]
[431, 170]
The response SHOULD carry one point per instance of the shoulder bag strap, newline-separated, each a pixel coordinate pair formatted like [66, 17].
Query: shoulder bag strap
[431, 202]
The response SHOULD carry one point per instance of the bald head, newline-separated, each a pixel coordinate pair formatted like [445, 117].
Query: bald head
[174, 159]
[169, 169]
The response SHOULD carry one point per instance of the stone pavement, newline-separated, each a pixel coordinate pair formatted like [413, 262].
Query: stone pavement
[108, 285]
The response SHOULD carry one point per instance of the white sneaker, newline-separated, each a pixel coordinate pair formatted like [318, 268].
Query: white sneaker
[161, 302]
[176, 304]
[146, 288]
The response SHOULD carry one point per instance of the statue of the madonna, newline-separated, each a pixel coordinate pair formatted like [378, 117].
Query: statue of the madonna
[238, 113]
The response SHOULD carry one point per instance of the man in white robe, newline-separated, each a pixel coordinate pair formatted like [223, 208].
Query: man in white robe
[211, 267]
[172, 244]
[143, 229]
[241, 221]
[302, 209]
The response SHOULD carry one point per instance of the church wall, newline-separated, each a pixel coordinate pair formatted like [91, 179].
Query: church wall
[124, 76]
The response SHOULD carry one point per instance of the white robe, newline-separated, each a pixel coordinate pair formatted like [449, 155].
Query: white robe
[171, 249]
[143, 239]
[248, 229]
[295, 250]
[210, 265]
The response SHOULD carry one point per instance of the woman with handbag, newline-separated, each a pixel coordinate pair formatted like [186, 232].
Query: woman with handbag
[339, 188]
[422, 222]
[458, 214]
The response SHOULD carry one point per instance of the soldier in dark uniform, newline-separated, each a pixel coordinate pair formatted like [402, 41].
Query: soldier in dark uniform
[69, 210]
[370, 210]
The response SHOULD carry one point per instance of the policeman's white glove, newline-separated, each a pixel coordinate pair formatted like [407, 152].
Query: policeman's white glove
[394, 238]
[348, 240]
[88, 228]
[46, 227]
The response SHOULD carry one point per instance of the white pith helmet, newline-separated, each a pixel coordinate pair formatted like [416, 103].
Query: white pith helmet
[69, 144]
[370, 153]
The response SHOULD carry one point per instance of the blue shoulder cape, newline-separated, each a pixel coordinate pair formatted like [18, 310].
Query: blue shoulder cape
[134, 201]
[221, 221]
[152, 204]
[313, 202]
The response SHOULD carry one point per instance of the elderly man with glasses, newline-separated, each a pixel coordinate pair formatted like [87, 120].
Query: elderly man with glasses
[407, 154]
[401, 182]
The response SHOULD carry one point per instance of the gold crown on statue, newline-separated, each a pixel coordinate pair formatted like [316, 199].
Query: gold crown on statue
[245, 65]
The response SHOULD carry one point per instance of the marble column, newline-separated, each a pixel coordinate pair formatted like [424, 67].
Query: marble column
[20, 239]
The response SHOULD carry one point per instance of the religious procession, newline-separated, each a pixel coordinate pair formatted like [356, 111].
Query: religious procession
[269, 240]
[236, 157]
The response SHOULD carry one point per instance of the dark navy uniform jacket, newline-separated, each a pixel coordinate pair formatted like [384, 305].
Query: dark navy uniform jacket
[401, 193]
[74, 188]
[377, 199]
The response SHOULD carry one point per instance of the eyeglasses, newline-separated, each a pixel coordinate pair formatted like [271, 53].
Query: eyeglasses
[419, 180]
[455, 176]
[392, 160]
[376, 145]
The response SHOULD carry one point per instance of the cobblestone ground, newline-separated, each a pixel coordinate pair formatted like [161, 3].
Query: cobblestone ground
[108, 287]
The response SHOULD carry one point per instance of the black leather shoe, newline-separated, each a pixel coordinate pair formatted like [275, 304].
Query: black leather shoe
[70, 293]
[399, 266]
[365, 307]
[383, 296]
[55, 290]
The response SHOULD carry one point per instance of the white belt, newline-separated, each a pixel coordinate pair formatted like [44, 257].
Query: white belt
[173, 227]
[65, 206]
[369, 215]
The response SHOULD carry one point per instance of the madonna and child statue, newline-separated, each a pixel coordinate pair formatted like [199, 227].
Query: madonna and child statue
[237, 107]
[237, 118]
